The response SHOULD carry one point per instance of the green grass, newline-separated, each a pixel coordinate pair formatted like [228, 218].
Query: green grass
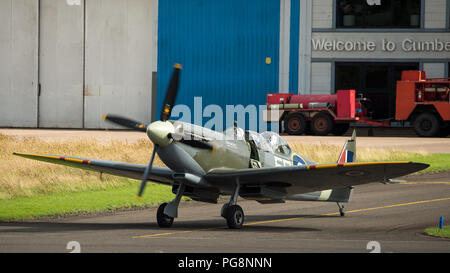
[82, 202]
[435, 231]
[438, 162]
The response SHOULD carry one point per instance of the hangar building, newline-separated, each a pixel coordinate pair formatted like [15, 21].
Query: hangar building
[64, 63]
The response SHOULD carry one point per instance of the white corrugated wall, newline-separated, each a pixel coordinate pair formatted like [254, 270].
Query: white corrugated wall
[90, 57]
[18, 63]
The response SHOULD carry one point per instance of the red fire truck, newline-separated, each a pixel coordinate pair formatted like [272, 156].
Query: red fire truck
[420, 102]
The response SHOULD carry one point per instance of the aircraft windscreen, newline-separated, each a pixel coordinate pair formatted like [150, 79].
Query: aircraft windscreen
[260, 141]
[276, 143]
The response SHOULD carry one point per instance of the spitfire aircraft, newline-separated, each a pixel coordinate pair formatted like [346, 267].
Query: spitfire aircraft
[204, 164]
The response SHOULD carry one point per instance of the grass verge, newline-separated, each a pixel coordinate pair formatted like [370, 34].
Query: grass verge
[82, 202]
[437, 232]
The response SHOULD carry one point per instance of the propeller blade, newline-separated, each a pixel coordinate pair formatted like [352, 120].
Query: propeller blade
[171, 94]
[125, 122]
[146, 173]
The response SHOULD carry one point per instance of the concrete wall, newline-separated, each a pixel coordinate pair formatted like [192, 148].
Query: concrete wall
[435, 14]
[321, 78]
[18, 63]
[322, 13]
[435, 70]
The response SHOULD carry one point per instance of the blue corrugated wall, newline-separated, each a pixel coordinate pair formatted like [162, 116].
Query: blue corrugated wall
[222, 45]
[294, 46]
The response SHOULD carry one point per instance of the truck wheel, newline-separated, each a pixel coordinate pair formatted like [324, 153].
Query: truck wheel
[426, 125]
[295, 124]
[322, 124]
[340, 129]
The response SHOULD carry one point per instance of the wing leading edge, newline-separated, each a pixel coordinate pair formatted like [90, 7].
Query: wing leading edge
[305, 179]
[130, 170]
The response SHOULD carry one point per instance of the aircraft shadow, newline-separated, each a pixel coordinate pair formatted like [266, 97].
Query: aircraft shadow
[253, 223]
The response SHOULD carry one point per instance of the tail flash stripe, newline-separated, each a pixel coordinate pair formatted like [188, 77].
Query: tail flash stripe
[349, 156]
[342, 157]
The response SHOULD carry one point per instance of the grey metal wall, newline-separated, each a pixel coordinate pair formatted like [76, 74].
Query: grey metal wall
[119, 60]
[18, 63]
[61, 64]
[91, 57]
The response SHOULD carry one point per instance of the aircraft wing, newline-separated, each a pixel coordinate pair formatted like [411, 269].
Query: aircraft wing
[304, 179]
[135, 171]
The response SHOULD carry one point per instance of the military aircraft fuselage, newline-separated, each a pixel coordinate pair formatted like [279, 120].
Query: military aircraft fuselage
[233, 149]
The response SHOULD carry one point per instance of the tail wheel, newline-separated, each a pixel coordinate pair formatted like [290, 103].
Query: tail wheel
[426, 125]
[164, 221]
[322, 124]
[235, 217]
[295, 124]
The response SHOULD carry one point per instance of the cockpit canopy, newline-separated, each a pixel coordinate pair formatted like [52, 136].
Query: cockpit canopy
[270, 141]
[260, 142]
[276, 143]
[266, 141]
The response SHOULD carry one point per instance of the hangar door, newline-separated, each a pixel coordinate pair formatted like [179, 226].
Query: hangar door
[96, 57]
[18, 63]
[61, 64]
[229, 51]
[119, 60]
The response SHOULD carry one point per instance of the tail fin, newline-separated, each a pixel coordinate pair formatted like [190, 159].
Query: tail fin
[348, 153]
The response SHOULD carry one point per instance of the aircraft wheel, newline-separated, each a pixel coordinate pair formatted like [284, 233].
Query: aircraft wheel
[235, 217]
[164, 221]
[223, 211]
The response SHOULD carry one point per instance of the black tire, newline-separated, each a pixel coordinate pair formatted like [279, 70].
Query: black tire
[164, 221]
[426, 125]
[295, 124]
[322, 124]
[223, 211]
[235, 217]
[340, 129]
[444, 131]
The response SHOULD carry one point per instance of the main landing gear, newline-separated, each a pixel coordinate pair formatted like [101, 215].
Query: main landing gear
[168, 211]
[232, 212]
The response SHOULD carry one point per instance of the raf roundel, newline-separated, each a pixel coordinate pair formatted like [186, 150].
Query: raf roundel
[297, 160]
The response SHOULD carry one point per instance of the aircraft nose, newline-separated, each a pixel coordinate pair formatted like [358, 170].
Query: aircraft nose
[159, 131]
